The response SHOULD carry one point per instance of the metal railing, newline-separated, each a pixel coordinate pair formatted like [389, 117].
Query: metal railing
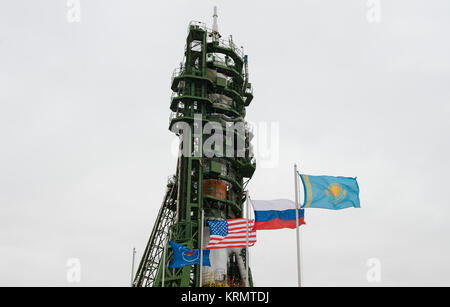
[228, 44]
[177, 72]
[199, 24]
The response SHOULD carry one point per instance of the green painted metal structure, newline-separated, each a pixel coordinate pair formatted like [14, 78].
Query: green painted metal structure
[210, 86]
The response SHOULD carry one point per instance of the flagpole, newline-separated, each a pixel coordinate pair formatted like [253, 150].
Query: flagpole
[297, 228]
[201, 248]
[164, 258]
[246, 244]
[164, 263]
[132, 266]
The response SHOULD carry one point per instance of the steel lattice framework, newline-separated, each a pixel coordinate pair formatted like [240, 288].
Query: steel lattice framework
[211, 86]
[148, 269]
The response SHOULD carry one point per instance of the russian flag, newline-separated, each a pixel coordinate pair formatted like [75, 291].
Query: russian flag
[276, 214]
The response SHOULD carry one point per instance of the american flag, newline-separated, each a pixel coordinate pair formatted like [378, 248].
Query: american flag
[231, 233]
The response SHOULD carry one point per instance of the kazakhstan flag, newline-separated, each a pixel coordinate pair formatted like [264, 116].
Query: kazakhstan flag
[329, 192]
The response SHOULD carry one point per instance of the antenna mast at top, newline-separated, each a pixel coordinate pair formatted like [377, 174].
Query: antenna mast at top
[215, 29]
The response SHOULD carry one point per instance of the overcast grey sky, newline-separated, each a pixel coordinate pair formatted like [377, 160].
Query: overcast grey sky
[85, 149]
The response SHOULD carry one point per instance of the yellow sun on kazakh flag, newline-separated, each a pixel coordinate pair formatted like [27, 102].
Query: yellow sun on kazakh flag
[330, 192]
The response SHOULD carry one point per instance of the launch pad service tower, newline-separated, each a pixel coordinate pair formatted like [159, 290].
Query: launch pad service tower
[210, 93]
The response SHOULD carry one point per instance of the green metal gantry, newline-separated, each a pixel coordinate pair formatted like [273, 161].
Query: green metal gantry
[211, 85]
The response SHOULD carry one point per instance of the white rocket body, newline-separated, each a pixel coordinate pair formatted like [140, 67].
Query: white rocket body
[219, 258]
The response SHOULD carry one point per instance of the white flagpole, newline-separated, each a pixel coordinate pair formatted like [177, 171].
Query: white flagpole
[132, 266]
[164, 263]
[164, 258]
[201, 248]
[297, 229]
[246, 244]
